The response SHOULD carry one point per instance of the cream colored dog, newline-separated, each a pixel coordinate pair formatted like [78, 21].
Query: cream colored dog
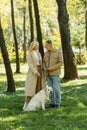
[39, 100]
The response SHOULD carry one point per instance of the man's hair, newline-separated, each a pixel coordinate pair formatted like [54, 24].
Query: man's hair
[49, 42]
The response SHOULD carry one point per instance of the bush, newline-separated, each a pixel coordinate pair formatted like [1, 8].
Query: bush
[81, 58]
[12, 57]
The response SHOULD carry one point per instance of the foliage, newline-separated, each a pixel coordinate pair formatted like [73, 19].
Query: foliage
[49, 23]
[77, 22]
[72, 114]
[12, 54]
[81, 58]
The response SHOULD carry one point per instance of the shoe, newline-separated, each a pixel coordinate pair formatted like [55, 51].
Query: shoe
[52, 105]
[25, 105]
[57, 106]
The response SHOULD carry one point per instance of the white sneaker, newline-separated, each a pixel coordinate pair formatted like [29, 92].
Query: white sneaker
[25, 105]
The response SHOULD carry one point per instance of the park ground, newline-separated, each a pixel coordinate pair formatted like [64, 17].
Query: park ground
[72, 115]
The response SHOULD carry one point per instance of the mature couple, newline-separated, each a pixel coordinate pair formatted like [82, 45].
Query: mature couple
[51, 66]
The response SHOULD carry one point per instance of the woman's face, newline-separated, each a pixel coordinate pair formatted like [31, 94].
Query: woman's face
[36, 46]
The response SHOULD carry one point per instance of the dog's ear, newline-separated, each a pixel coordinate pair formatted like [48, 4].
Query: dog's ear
[45, 89]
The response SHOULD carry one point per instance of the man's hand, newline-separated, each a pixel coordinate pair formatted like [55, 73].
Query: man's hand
[49, 69]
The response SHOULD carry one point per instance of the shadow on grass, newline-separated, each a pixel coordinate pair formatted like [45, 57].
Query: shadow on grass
[73, 95]
[80, 68]
[65, 80]
[58, 119]
[72, 114]
[18, 84]
[2, 74]
[83, 77]
[9, 102]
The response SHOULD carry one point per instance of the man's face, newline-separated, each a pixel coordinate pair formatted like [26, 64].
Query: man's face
[48, 46]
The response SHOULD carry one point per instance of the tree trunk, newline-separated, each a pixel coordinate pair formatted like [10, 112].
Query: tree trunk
[15, 39]
[38, 28]
[31, 21]
[10, 80]
[86, 29]
[70, 68]
[24, 32]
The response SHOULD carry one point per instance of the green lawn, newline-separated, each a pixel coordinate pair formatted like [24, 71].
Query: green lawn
[72, 114]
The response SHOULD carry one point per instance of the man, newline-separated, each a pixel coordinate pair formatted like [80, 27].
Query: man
[52, 65]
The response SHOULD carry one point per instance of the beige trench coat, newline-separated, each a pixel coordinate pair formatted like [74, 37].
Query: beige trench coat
[31, 78]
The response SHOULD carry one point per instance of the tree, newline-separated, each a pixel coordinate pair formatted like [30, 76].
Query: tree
[38, 27]
[15, 39]
[70, 69]
[10, 80]
[24, 31]
[31, 21]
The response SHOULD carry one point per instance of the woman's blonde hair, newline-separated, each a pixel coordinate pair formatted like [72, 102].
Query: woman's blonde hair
[32, 45]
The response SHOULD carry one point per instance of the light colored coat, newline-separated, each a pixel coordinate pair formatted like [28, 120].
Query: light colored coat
[31, 79]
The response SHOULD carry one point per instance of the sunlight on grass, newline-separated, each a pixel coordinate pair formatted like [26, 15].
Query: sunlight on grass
[3, 77]
[20, 88]
[8, 118]
[19, 77]
[80, 104]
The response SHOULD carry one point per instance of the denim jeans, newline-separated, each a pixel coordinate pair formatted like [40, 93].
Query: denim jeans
[54, 82]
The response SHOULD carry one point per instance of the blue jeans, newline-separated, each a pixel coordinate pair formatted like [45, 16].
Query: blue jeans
[54, 82]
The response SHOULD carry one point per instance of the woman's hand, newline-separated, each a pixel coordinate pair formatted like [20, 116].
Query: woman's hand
[38, 74]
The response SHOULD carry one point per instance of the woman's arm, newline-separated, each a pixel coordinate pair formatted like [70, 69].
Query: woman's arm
[31, 64]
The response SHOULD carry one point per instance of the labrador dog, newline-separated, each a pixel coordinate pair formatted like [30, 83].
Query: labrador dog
[39, 100]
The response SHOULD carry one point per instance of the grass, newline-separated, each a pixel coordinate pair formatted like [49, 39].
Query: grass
[72, 114]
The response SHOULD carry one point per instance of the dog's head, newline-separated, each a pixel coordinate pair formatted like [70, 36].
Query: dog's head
[48, 90]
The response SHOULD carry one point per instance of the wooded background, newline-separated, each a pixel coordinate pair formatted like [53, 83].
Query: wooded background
[62, 21]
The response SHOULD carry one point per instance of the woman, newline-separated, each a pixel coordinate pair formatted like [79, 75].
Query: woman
[33, 83]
